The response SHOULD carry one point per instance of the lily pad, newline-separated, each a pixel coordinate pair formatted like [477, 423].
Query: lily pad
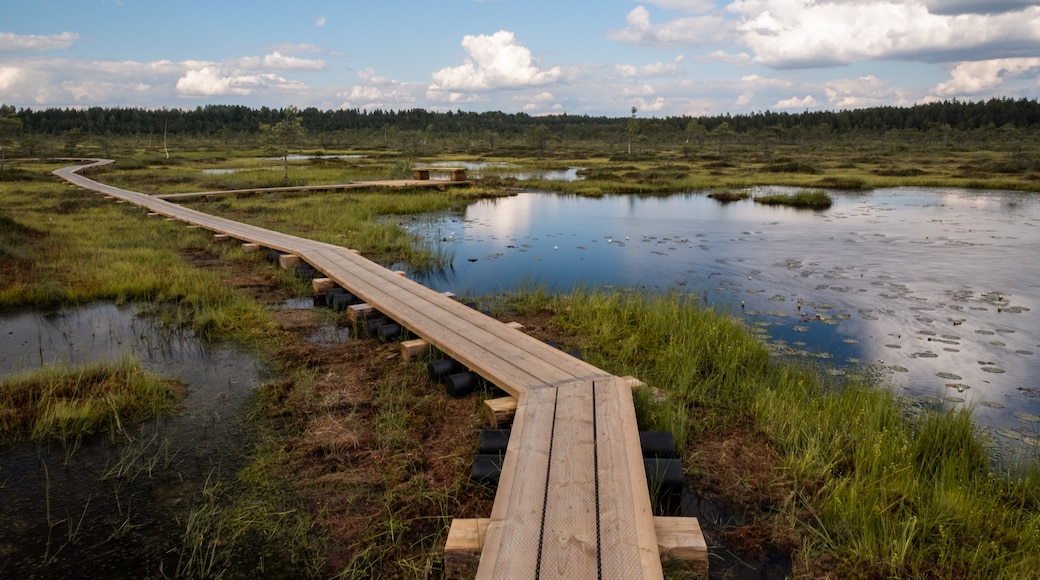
[1025, 352]
[850, 341]
[992, 404]
[954, 400]
[898, 369]
[948, 376]
[984, 332]
[993, 370]
[1027, 417]
[893, 346]
[1010, 434]
[799, 328]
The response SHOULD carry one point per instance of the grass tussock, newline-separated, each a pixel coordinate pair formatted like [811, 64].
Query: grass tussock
[866, 486]
[66, 404]
[730, 195]
[809, 198]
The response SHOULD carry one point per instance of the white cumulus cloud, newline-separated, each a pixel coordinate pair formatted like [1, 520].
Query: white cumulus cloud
[973, 78]
[208, 81]
[806, 33]
[378, 92]
[497, 61]
[320, 21]
[690, 30]
[659, 69]
[807, 102]
[10, 42]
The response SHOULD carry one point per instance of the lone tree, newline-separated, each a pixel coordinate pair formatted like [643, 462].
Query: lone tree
[633, 129]
[10, 125]
[285, 134]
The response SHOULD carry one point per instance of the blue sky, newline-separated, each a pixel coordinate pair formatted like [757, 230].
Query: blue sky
[596, 57]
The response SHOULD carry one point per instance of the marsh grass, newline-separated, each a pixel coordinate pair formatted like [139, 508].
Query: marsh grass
[808, 198]
[730, 195]
[879, 488]
[67, 246]
[67, 404]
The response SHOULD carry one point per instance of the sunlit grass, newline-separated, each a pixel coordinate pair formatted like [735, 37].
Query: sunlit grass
[66, 404]
[807, 198]
[881, 489]
[63, 245]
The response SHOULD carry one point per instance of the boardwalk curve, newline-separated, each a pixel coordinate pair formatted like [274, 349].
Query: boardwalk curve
[572, 500]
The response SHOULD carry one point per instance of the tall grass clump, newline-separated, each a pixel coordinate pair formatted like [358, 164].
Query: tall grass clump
[68, 403]
[807, 198]
[877, 488]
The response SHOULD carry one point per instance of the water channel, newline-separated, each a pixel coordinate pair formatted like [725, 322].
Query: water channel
[933, 289]
[117, 506]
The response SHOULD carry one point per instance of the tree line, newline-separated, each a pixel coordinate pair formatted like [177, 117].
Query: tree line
[217, 120]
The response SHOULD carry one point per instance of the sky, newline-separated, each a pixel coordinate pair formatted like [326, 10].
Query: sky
[541, 57]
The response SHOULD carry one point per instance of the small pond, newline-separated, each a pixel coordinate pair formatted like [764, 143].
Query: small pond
[934, 289]
[117, 508]
[478, 169]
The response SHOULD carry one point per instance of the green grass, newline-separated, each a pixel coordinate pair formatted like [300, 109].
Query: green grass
[730, 195]
[877, 488]
[66, 404]
[62, 245]
[812, 199]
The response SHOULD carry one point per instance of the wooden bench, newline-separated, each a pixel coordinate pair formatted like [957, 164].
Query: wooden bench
[454, 173]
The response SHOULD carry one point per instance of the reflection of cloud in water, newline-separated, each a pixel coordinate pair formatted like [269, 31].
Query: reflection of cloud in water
[933, 281]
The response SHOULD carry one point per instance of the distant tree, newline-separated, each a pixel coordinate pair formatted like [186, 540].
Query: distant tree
[633, 129]
[72, 139]
[721, 132]
[10, 125]
[284, 134]
[539, 137]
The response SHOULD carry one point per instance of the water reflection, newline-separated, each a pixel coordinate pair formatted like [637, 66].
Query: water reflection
[934, 288]
[117, 506]
[478, 169]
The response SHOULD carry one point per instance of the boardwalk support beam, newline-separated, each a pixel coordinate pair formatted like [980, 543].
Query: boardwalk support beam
[678, 539]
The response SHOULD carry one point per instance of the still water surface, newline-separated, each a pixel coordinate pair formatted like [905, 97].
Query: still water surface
[118, 506]
[936, 289]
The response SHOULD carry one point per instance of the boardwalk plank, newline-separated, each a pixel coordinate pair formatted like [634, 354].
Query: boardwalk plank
[511, 545]
[569, 539]
[628, 539]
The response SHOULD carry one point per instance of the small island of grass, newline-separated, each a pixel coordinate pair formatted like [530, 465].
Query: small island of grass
[729, 195]
[808, 198]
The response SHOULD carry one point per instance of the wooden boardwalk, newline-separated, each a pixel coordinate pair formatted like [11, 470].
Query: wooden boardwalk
[395, 183]
[572, 498]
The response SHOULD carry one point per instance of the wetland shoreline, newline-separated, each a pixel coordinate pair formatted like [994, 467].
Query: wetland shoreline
[735, 409]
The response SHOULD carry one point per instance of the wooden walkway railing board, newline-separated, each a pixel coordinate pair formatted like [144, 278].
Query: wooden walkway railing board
[572, 499]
